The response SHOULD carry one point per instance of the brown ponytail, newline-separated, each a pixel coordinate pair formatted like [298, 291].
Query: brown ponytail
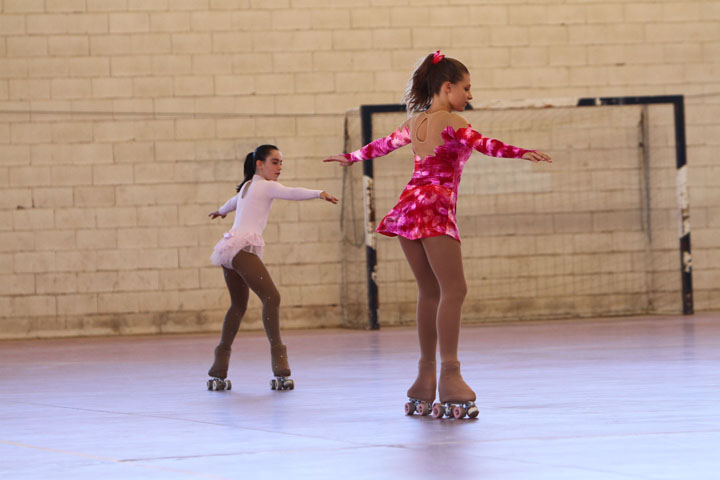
[428, 78]
[260, 153]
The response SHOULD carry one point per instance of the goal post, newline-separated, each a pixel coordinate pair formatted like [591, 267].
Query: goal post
[589, 235]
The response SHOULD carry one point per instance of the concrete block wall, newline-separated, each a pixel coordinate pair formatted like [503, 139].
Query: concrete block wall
[123, 121]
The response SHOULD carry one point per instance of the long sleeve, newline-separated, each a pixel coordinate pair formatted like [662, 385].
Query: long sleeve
[381, 146]
[489, 146]
[229, 206]
[278, 190]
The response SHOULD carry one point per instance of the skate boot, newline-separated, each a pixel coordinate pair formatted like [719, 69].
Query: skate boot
[457, 399]
[422, 392]
[280, 368]
[218, 371]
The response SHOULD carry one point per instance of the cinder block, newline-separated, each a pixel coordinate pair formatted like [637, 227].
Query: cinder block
[154, 130]
[209, 21]
[113, 131]
[68, 45]
[56, 283]
[235, 127]
[52, 197]
[17, 285]
[147, 5]
[96, 282]
[188, 43]
[27, 46]
[112, 88]
[69, 88]
[32, 219]
[94, 196]
[71, 132]
[351, 82]
[110, 45]
[273, 84]
[194, 85]
[76, 261]
[33, 306]
[35, 262]
[125, 302]
[178, 237]
[180, 279]
[129, 22]
[194, 129]
[137, 238]
[15, 154]
[234, 85]
[231, 42]
[151, 43]
[229, 4]
[330, 19]
[24, 6]
[30, 133]
[97, 239]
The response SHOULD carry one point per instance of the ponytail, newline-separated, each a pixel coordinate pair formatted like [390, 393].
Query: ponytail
[428, 78]
[260, 153]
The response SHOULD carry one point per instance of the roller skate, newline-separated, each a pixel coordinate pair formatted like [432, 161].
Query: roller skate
[280, 368]
[218, 371]
[456, 398]
[422, 392]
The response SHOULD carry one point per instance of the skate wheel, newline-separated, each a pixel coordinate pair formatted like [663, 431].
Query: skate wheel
[228, 385]
[209, 384]
[423, 408]
[473, 411]
[438, 410]
[289, 384]
[458, 411]
[273, 384]
[409, 408]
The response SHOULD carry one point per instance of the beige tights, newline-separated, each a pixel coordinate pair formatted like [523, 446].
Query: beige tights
[436, 263]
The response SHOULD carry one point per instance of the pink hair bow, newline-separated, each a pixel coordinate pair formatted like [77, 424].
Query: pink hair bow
[437, 56]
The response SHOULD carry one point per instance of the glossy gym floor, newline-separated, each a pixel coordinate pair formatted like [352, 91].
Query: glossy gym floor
[621, 398]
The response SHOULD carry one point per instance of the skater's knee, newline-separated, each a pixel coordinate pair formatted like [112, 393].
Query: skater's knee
[456, 292]
[271, 299]
[429, 293]
[237, 310]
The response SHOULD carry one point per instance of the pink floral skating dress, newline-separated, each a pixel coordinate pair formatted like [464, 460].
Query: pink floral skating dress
[427, 205]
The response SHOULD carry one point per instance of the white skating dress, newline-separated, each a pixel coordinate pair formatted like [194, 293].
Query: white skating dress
[251, 215]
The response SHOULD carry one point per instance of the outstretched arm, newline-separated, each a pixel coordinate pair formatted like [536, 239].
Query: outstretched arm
[229, 206]
[278, 190]
[465, 134]
[376, 148]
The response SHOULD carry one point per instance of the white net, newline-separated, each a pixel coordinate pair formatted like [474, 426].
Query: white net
[595, 233]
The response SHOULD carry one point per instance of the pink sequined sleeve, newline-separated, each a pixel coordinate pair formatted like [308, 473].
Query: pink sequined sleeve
[381, 146]
[486, 145]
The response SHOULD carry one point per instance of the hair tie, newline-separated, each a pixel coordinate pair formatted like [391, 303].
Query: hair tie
[437, 57]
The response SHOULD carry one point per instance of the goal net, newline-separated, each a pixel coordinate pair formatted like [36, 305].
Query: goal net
[594, 233]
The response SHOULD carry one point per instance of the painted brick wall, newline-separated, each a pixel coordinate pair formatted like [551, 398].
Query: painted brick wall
[123, 122]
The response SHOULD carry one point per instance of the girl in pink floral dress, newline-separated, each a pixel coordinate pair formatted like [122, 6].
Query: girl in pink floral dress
[424, 220]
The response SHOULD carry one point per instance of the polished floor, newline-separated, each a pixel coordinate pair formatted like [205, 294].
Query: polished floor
[629, 398]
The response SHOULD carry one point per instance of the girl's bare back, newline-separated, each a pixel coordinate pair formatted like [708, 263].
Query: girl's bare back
[426, 130]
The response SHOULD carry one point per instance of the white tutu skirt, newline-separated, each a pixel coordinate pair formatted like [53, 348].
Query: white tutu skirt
[233, 242]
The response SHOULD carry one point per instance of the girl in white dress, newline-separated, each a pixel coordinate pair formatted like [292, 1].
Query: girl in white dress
[240, 252]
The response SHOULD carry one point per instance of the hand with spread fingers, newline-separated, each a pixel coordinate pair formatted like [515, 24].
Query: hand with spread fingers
[537, 156]
[327, 197]
[340, 159]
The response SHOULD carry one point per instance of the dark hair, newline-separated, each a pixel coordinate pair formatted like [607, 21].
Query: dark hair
[260, 153]
[427, 80]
